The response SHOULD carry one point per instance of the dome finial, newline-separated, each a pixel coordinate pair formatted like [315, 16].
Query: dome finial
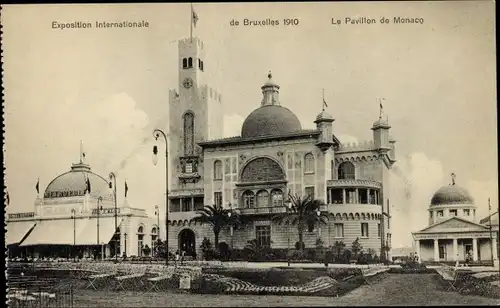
[270, 75]
[453, 176]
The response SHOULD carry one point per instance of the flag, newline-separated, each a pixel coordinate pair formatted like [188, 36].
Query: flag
[88, 188]
[37, 187]
[324, 103]
[7, 198]
[489, 206]
[126, 188]
[194, 16]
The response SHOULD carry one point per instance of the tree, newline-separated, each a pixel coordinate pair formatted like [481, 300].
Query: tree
[303, 214]
[146, 250]
[219, 218]
[356, 247]
[338, 249]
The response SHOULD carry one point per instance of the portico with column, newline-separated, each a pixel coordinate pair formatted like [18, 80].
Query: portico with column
[454, 246]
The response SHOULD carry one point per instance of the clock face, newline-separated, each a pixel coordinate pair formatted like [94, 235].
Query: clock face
[188, 83]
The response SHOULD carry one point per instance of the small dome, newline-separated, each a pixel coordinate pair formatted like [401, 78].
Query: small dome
[73, 183]
[270, 120]
[451, 194]
[324, 116]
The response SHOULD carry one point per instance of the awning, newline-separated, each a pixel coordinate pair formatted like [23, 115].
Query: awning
[17, 230]
[88, 235]
[55, 232]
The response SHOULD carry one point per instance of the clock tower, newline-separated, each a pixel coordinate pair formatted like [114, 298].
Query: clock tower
[195, 115]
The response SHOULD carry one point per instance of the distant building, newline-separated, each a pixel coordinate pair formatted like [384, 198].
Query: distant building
[69, 221]
[453, 230]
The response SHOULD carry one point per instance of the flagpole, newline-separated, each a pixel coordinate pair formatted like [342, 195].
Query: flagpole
[191, 24]
[323, 99]
[491, 235]
[81, 151]
[380, 108]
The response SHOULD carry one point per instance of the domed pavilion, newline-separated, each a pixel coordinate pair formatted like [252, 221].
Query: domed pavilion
[77, 216]
[454, 233]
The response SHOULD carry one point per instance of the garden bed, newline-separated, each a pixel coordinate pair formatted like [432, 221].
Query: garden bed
[466, 284]
[279, 281]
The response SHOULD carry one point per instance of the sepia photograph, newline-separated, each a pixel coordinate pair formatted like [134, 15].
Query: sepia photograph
[250, 154]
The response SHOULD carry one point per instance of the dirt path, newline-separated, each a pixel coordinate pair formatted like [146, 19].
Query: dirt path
[396, 289]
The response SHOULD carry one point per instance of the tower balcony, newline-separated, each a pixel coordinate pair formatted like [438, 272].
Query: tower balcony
[354, 191]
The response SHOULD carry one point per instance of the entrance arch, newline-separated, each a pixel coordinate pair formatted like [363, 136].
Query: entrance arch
[187, 242]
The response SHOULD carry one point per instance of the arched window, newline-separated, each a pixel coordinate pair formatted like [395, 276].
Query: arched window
[190, 62]
[154, 238]
[309, 163]
[217, 170]
[140, 240]
[277, 197]
[248, 199]
[263, 198]
[184, 63]
[188, 133]
[347, 171]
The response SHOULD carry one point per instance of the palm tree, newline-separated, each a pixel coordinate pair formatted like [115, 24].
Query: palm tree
[303, 213]
[219, 218]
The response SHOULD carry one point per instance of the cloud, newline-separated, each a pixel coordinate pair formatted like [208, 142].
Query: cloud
[115, 137]
[414, 179]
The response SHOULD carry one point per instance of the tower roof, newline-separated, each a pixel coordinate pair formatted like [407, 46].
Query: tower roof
[324, 117]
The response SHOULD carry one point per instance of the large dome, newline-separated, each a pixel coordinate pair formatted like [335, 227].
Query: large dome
[451, 194]
[73, 183]
[270, 120]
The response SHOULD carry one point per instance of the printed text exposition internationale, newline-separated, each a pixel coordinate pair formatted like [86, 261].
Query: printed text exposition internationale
[99, 24]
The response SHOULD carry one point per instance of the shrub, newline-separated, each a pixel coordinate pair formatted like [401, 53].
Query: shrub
[224, 251]
[300, 245]
[346, 256]
[208, 252]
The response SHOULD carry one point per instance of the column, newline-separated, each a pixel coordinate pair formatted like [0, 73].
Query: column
[434, 216]
[356, 196]
[494, 243]
[455, 249]
[192, 204]
[368, 196]
[417, 250]
[180, 204]
[474, 249]
[436, 250]
[344, 199]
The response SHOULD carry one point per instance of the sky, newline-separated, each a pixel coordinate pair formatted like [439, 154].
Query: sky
[109, 88]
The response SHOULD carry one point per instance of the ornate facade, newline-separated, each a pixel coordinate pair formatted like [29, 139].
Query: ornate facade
[273, 156]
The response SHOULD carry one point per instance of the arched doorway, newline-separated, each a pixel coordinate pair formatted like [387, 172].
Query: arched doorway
[187, 242]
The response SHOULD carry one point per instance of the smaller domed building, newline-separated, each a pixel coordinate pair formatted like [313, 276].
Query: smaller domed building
[454, 231]
[75, 217]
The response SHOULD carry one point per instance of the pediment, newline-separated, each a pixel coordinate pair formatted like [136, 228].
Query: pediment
[455, 224]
